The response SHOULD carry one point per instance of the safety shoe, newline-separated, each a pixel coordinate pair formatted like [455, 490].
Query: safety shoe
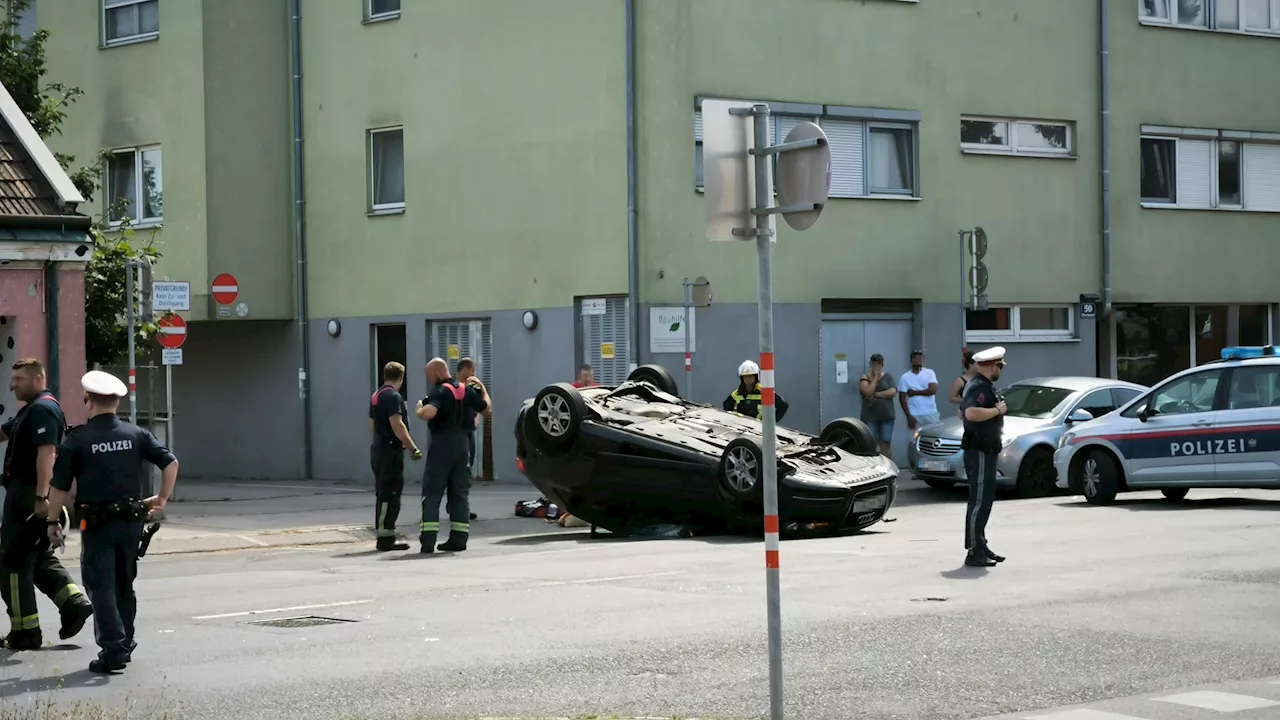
[978, 561]
[428, 542]
[993, 556]
[24, 640]
[389, 545]
[457, 542]
[104, 667]
[130, 646]
[74, 616]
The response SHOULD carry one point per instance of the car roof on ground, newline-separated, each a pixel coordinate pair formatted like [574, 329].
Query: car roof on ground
[1076, 383]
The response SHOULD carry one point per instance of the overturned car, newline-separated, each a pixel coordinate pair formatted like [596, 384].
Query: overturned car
[632, 456]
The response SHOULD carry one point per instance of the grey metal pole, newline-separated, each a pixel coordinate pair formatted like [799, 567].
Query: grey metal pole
[964, 279]
[168, 403]
[764, 254]
[133, 369]
[688, 356]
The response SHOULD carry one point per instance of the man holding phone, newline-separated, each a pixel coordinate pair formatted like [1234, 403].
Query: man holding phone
[983, 425]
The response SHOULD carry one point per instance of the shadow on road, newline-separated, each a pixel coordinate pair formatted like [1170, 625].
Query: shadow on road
[1165, 504]
[78, 679]
[964, 572]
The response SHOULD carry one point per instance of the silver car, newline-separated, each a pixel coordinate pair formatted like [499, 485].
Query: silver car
[1040, 411]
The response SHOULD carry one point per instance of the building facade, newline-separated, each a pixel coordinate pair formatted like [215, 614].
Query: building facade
[520, 183]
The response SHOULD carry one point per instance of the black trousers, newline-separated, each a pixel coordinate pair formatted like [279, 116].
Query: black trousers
[108, 566]
[37, 569]
[447, 474]
[980, 469]
[388, 482]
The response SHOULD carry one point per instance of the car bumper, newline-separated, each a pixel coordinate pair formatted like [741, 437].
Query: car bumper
[804, 507]
[1061, 464]
[951, 467]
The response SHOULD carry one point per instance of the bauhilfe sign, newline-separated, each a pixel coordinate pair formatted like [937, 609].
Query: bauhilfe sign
[666, 330]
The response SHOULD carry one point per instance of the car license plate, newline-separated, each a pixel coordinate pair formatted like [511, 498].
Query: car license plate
[871, 503]
[935, 465]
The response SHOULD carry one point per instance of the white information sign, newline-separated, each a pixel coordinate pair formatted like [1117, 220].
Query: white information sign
[168, 296]
[171, 357]
[594, 306]
[666, 330]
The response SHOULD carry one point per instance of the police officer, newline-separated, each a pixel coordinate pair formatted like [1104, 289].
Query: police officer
[445, 410]
[745, 399]
[983, 422]
[105, 455]
[466, 371]
[390, 437]
[33, 436]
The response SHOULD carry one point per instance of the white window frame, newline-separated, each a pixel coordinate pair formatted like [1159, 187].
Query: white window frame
[370, 16]
[1214, 138]
[106, 5]
[1012, 147]
[136, 218]
[374, 206]
[1015, 333]
[1211, 18]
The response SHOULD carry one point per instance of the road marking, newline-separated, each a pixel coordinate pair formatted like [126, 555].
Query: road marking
[255, 541]
[1082, 715]
[284, 609]
[559, 552]
[296, 487]
[1218, 701]
[610, 579]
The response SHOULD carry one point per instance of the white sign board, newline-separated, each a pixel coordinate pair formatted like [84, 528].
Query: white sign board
[728, 169]
[167, 296]
[666, 330]
[594, 306]
[171, 357]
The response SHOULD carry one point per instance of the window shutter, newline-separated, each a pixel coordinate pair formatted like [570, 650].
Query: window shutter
[1262, 177]
[783, 125]
[448, 334]
[845, 140]
[697, 126]
[611, 327]
[484, 357]
[1195, 180]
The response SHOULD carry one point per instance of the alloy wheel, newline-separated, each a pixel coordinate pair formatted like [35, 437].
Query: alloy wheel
[553, 415]
[1089, 477]
[742, 470]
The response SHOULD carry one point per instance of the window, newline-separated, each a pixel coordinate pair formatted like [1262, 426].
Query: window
[1020, 322]
[382, 9]
[1097, 403]
[1204, 169]
[130, 20]
[1124, 395]
[135, 185]
[869, 157]
[1188, 394]
[1254, 387]
[1034, 401]
[1007, 136]
[386, 169]
[1252, 16]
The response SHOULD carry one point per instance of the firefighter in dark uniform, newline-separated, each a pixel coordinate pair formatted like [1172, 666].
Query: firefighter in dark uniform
[106, 455]
[466, 371]
[445, 411]
[745, 399]
[33, 436]
[983, 422]
[389, 436]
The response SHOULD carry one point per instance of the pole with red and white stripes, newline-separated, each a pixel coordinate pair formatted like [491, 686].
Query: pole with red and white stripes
[688, 355]
[129, 267]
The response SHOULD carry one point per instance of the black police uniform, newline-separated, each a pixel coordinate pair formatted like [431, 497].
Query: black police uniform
[981, 443]
[746, 401]
[387, 458]
[39, 423]
[447, 469]
[106, 456]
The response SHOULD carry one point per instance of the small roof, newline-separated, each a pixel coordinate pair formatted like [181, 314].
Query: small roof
[32, 183]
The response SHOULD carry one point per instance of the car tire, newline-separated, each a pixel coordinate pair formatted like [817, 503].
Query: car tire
[851, 435]
[1104, 469]
[939, 484]
[1032, 480]
[741, 472]
[657, 376]
[555, 417]
[1174, 493]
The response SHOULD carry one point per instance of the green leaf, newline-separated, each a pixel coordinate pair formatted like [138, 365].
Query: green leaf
[675, 326]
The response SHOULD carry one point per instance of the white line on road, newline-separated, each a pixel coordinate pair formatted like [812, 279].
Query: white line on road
[610, 579]
[297, 487]
[558, 552]
[284, 609]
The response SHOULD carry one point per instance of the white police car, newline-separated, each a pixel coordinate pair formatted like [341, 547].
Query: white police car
[1212, 426]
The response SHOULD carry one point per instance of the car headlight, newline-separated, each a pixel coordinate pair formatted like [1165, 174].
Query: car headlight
[1065, 440]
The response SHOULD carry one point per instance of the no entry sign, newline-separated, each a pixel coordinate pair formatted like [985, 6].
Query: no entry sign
[225, 289]
[173, 331]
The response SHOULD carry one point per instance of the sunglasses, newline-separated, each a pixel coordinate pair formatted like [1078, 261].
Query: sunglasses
[997, 364]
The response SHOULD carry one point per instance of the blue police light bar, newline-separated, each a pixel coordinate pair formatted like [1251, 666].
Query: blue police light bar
[1246, 352]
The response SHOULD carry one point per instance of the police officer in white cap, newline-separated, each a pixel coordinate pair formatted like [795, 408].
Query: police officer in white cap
[983, 422]
[106, 455]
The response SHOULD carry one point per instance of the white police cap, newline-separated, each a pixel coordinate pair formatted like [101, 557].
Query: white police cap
[989, 355]
[103, 383]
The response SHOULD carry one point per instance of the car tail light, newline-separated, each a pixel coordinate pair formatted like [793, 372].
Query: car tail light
[520, 464]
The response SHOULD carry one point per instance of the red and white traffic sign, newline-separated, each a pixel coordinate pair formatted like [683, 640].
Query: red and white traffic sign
[225, 289]
[173, 331]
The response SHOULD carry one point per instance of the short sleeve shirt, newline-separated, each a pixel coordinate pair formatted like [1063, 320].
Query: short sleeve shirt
[39, 423]
[875, 409]
[980, 393]
[385, 403]
[449, 416]
[106, 456]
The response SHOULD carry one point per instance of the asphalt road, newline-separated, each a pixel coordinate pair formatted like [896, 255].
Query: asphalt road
[1093, 604]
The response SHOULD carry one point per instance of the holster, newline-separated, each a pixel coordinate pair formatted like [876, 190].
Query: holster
[94, 516]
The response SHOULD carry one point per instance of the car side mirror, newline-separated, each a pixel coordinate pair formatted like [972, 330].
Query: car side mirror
[1079, 415]
[1144, 413]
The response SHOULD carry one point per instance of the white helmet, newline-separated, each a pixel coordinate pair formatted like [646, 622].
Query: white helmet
[748, 368]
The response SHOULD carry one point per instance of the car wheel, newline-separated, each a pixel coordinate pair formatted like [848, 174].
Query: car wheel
[557, 413]
[742, 469]
[851, 435]
[657, 376]
[1174, 493]
[939, 484]
[1036, 476]
[1099, 477]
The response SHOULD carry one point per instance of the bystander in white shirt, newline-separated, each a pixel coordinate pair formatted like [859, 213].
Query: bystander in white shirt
[917, 392]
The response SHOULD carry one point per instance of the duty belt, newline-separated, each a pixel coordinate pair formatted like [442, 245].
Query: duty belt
[95, 515]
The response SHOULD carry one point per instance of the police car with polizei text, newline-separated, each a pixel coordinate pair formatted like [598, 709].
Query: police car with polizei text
[1212, 426]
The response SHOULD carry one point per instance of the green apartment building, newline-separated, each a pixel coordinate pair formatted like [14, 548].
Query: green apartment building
[519, 182]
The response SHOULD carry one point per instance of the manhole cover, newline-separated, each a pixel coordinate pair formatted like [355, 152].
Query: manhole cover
[298, 622]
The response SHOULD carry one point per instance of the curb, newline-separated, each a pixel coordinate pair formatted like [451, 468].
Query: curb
[222, 542]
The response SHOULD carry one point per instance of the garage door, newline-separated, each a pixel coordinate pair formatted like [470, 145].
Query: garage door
[604, 338]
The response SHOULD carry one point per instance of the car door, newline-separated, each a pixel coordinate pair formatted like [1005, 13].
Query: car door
[1247, 428]
[1169, 443]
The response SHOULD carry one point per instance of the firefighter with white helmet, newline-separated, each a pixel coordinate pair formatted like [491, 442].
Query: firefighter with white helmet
[745, 399]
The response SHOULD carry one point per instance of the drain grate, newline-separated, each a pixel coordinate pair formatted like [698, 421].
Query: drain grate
[298, 622]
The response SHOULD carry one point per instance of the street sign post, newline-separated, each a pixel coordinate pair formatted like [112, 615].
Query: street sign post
[973, 276]
[170, 296]
[173, 331]
[703, 299]
[804, 167]
[225, 289]
[172, 334]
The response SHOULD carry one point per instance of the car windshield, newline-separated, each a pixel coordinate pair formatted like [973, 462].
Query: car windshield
[1034, 401]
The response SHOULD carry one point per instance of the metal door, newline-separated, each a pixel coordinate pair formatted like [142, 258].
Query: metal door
[453, 340]
[854, 342]
[604, 340]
